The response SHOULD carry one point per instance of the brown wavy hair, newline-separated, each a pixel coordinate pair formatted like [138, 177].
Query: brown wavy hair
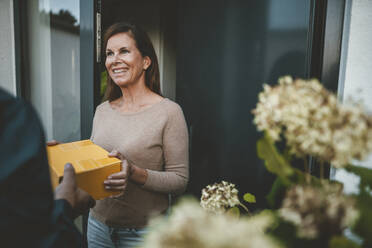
[144, 45]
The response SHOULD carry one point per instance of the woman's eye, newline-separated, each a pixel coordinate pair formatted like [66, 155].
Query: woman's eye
[124, 51]
[109, 54]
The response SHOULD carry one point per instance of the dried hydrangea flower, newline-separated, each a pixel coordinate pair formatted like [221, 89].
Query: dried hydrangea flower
[219, 197]
[313, 122]
[318, 211]
[189, 225]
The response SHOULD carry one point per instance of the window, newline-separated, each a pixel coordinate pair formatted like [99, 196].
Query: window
[53, 50]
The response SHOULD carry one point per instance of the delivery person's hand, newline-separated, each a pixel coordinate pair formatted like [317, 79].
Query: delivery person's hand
[79, 200]
[118, 181]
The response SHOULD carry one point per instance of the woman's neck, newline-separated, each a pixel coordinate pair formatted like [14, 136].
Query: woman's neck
[135, 94]
[135, 98]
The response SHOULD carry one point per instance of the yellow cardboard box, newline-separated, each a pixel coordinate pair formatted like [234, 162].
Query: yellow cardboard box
[91, 163]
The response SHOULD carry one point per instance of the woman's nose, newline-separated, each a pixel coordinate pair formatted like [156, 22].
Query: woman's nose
[116, 58]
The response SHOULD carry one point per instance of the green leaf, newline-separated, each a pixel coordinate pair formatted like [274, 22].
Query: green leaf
[364, 202]
[234, 212]
[280, 187]
[363, 225]
[342, 242]
[300, 177]
[249, 198]
[274, 161]
[277, 193]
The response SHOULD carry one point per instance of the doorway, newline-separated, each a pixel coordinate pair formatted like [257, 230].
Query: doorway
[214, 57]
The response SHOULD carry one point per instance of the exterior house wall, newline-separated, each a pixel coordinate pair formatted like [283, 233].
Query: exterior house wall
[7, 47]
[355, 80]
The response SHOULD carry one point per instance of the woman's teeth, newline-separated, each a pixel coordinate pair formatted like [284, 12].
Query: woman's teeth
[118, 70]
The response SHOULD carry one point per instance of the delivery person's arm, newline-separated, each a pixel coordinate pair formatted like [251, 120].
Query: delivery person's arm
[29, 215]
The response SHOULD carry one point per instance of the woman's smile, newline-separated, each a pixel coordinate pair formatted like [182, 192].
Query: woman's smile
[119, 70]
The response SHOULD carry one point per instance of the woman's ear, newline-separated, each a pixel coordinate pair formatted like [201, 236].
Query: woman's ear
[146, 62]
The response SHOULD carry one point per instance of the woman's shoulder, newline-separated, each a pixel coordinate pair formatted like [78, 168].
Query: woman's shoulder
[171, 106]
[173, 110]
[102, 107]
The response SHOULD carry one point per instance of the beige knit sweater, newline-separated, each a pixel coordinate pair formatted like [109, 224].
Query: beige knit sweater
[155, 139]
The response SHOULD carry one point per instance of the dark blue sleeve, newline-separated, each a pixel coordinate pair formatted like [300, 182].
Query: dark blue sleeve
[28, 214]
[64, 232]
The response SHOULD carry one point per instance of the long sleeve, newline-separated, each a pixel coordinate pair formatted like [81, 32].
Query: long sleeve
[174, 178]
[29, 215]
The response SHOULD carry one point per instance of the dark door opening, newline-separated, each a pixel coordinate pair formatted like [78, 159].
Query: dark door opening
[214, 58]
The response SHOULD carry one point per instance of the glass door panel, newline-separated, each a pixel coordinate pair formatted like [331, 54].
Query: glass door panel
[54, 52]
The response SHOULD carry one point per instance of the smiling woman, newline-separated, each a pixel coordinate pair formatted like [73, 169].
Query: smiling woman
[143, 129]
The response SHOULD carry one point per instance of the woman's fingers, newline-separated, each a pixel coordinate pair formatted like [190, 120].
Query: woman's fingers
[117, 182]
[116, 188]
[52, 143]
[118, 175]
[124, 173]
[116, 185]
[125, 166]
[115, 153]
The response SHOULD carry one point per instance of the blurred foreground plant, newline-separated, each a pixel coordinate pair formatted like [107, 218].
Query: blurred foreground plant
[189, 225]
[308, 120]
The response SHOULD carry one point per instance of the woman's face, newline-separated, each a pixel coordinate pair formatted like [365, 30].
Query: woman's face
[124, 61]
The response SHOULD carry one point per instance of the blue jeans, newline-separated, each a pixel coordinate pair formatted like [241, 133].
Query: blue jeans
[102, 236]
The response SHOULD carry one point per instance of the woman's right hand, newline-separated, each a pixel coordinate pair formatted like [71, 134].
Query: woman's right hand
[52, 143]
[118, 181]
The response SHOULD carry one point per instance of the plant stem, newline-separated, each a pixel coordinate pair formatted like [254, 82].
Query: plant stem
[306, 166]
[321, 170]
[245, 208]
[307, 170]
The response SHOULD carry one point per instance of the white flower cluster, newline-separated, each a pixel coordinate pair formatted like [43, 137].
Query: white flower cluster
[313, 122]
[191, 226]
[219, 197]
[318, 211]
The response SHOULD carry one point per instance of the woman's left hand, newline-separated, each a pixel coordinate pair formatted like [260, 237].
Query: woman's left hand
[118, 181]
